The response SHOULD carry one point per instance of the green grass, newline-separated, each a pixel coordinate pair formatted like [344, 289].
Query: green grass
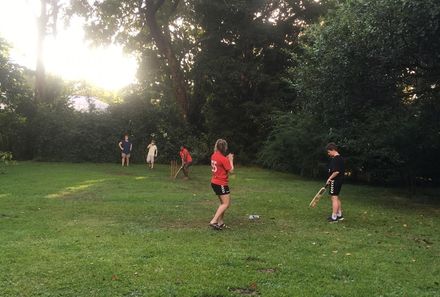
[102, 230]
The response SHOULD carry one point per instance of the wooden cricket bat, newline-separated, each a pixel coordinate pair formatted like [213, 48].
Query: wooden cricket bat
[317, 197]
[177, 173]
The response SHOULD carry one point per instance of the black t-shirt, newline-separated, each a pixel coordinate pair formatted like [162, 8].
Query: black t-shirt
[336, 164]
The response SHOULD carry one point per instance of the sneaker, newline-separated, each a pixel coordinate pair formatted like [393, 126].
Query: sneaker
[340, 218]
[331, 220]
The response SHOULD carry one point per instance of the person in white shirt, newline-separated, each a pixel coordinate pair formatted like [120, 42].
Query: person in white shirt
[152, 153]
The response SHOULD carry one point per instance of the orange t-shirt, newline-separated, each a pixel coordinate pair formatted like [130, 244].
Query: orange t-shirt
[184, 154]
[220, 168]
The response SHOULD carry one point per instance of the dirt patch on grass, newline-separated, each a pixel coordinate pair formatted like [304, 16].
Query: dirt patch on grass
[5, 216]
[253, 259]
[245, 291]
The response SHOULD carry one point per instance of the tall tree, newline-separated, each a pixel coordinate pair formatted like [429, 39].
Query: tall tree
[162, 39]
[240, 74]
[40, 73]
[46, 22]
[368, 77]
[143, 27]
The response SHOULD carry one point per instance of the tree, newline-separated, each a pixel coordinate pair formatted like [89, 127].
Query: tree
[46, 20]
[240, 75]
[15, 103]
[142, 27]
[369, 75]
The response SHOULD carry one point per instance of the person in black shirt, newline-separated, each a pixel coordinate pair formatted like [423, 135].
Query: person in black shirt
[335, 177]
[126, 146]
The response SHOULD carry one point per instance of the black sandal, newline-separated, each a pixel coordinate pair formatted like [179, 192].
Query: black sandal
[223, 226]
[215, 226]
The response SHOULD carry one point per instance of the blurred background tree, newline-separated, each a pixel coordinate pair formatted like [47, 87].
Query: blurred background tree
[277, 79]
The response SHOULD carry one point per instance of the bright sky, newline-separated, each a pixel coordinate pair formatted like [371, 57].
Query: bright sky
[68, 54]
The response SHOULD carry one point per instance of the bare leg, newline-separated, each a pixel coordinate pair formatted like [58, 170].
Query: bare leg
[336, 205]
[185, 171]
[220, 219]
[225, 201]
[127, 161]
[122, 164]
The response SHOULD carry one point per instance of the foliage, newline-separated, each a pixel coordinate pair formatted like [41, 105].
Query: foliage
[15, 103]
[233, 56]
[63, 134]
[365, 74]
[240, 75]
[5, 159]
[277, 79]
[295, 144]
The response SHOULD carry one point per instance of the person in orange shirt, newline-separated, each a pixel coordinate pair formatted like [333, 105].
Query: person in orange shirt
[221, 166]
[186, 160]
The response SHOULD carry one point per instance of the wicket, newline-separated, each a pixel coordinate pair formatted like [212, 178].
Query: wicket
[174, 168]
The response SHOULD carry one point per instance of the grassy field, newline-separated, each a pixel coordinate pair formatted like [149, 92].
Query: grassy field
[102, 230]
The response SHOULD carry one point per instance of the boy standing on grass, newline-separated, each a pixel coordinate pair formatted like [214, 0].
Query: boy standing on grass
[221, 166]
[152, 153]
[186, 160]
[125, 145]
[335, 177]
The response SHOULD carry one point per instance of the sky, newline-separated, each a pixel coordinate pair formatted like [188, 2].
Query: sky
[67, 55]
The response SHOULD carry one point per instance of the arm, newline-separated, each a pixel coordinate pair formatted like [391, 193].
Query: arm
[231, 161]
[182, 158]
[334, 174]
[120, 145]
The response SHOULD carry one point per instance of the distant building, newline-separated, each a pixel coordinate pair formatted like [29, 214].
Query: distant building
[87, 104]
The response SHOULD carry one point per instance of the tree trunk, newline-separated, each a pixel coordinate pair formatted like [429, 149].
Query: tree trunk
[164, 46]
[40, 73]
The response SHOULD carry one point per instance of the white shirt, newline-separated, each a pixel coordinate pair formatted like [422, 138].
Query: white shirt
[152, 150]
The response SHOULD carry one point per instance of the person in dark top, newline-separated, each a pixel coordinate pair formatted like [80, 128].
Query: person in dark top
[125, 145]
[335, 178]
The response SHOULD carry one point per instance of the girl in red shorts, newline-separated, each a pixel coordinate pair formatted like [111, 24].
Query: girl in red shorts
[222, 165]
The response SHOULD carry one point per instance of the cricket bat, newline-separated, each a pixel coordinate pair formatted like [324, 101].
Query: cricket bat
[177, 173]
[317, 197]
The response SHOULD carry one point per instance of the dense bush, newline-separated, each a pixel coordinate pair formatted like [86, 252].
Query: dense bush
[369, 81]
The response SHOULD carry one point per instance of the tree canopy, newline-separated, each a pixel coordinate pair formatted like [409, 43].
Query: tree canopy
[278, 79]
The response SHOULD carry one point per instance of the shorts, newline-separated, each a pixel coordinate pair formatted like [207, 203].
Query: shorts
[220, 190]
[150, 158]
[124, 155]
[186, 165]
[335, 187]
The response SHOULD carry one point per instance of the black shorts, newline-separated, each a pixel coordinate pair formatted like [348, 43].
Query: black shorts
[335, 187]
[220, 190]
